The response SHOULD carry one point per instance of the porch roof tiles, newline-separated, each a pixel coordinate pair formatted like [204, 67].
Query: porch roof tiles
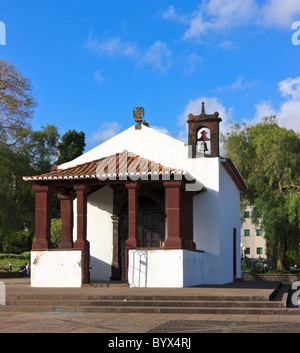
[124, 164]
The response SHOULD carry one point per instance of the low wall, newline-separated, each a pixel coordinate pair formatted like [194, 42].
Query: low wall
[165, 268]
[271, 277]
[56, 268]
[11, 275]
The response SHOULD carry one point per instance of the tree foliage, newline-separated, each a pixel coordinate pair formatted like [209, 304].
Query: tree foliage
[268, 158]
[17, 101]
[56, 231]
[43, 148]
[23, 152]
[71, 146]
[31, 155]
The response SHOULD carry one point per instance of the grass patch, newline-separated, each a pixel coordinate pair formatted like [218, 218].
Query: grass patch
[12, 262]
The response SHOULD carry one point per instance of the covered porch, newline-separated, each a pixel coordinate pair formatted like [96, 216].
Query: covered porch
[132, 181]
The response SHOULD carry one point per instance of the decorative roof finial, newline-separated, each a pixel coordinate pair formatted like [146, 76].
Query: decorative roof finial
[137, 114]
[203, 109]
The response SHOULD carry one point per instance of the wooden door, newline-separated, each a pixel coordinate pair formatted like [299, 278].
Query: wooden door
[149, 223]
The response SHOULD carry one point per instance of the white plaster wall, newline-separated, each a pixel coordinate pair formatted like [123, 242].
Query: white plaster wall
[229, 200]
[206, 217]
[165, 268]
[146, 143]
[56, 268]
[100, 233]
[193, 268]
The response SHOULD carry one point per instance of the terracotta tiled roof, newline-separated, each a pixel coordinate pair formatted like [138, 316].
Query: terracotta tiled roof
[120, 165]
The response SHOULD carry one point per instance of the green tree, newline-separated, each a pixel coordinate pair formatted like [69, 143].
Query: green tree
[23, 152]
[71, 146]
[32, 154]
[43, 148]
[268, 158]
[56, 231]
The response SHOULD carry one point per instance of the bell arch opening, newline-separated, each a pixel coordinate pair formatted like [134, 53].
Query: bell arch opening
[203, 141]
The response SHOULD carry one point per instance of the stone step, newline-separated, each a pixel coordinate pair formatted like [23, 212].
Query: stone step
[143, 309]
[274, 304]
[138, 303]
[186, 298]
[105, 284]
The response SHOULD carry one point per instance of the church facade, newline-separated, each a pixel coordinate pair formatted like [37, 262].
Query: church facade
[142, 208]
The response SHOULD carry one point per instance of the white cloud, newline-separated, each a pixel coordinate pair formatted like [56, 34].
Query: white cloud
[262, 110]
[224, 13]
[113, 47]
[97, 76]
[288, 114]
[238, 84]
[290, 87]
[171, 14]
[219, 15]
[214, 15]
[158, 55]
[280, 12]
[107, 130]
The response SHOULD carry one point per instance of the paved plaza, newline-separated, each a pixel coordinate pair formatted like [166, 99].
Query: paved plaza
[62, 322]
[154, 323]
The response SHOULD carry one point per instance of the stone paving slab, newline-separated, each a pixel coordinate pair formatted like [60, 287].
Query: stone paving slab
[143, 323]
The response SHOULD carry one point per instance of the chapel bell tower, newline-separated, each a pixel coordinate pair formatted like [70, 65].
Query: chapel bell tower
[203, 134]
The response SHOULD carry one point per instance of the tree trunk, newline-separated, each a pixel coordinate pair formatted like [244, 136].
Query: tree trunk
[273, 256]
[284, 260]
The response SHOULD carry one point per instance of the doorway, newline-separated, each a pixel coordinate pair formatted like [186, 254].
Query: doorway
[151, 224]
[151, 228]
[234, 252]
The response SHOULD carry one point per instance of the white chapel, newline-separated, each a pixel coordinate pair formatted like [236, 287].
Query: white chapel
[142, 208]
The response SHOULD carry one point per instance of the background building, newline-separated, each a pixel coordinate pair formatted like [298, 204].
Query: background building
[253, 242]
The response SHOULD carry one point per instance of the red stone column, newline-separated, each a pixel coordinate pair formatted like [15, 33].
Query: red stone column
[66, 211]
[42, 217]
[81, 242]
[133, 206]
[133, 218]
[187, 222]
[173, 191]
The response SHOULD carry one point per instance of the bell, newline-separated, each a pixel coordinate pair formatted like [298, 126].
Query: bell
[203, 147]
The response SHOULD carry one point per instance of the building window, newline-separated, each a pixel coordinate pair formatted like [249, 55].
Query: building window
[258, 232]
[246, 232]
[247, 251]
[259, 251]
[246, 214]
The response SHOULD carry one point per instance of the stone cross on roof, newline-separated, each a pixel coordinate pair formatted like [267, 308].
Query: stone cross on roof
[137, 114]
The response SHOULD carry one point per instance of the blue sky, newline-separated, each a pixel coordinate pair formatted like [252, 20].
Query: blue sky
[91, 62]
